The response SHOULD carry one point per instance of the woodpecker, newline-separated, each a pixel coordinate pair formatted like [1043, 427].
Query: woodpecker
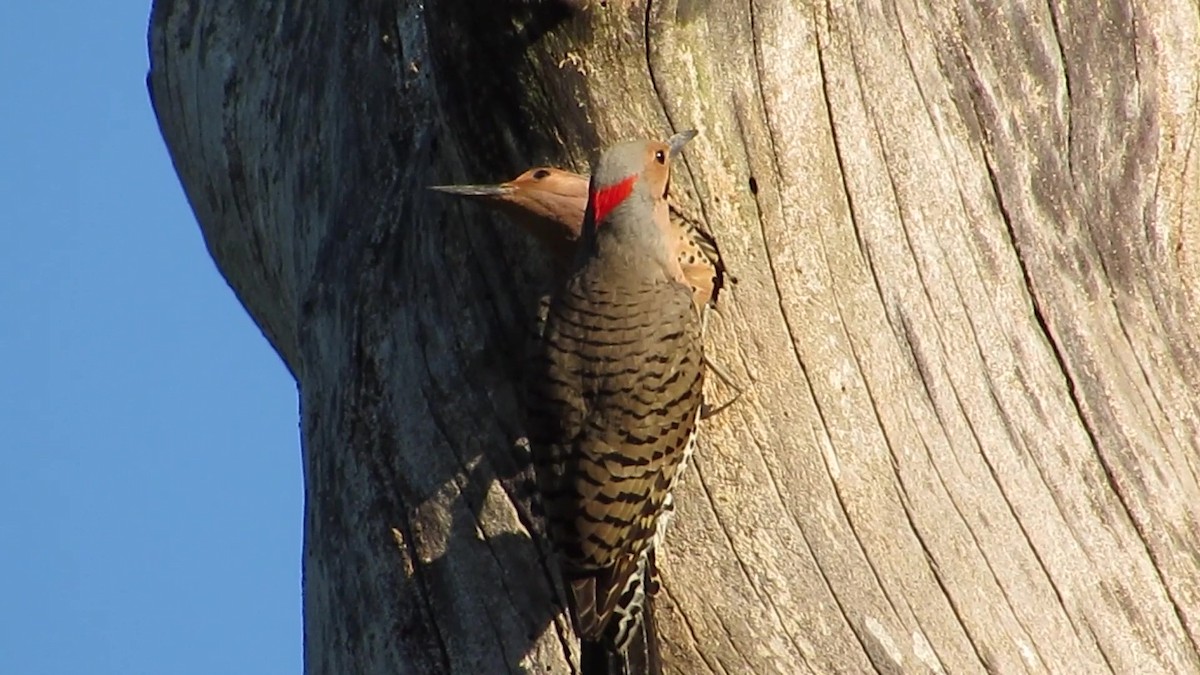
[546, 202]
[614, 398]
[549, 203]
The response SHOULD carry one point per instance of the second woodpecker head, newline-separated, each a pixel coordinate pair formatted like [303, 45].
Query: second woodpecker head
[630, 183]
[545, 201]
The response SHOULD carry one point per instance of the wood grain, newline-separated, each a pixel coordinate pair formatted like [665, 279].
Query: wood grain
[967, 243]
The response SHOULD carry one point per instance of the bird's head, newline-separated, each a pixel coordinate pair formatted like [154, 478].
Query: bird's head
[547, 202]
[634, 175]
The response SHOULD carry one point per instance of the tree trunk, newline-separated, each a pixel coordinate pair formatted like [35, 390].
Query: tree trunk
[967, 244]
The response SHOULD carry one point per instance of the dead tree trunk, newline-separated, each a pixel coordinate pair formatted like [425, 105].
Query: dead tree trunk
[967, 243]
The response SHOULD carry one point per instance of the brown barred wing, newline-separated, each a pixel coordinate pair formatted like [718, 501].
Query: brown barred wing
[612, 415]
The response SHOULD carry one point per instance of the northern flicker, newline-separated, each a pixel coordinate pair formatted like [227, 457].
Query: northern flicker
[615, 395]
[549, 204]
[546, 202]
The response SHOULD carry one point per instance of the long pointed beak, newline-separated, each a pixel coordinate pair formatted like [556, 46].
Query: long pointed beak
[680, 139]
[498, 190]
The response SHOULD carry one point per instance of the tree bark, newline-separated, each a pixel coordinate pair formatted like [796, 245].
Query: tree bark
[967, 243]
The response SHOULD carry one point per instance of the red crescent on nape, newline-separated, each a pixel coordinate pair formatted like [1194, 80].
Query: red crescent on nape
[606, 199]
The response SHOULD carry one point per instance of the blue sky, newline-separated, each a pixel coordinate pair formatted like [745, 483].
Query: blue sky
[150, 488]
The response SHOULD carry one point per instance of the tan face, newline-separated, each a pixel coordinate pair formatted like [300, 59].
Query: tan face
[658, 168]
[548, 179]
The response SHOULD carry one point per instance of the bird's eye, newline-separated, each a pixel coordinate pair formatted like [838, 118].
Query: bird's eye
[660, 156]
[540, 174]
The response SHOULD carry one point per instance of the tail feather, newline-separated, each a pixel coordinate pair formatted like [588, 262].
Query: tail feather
[640, 656]
[604, 601]
[585, 615]
[629, 643]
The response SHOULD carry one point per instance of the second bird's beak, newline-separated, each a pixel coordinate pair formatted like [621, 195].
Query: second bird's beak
[493, 191]
[679, 140]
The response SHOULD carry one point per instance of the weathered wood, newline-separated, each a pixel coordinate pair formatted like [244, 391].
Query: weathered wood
[968, 248]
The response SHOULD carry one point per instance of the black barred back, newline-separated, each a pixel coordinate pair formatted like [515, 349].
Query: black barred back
[613, 407]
